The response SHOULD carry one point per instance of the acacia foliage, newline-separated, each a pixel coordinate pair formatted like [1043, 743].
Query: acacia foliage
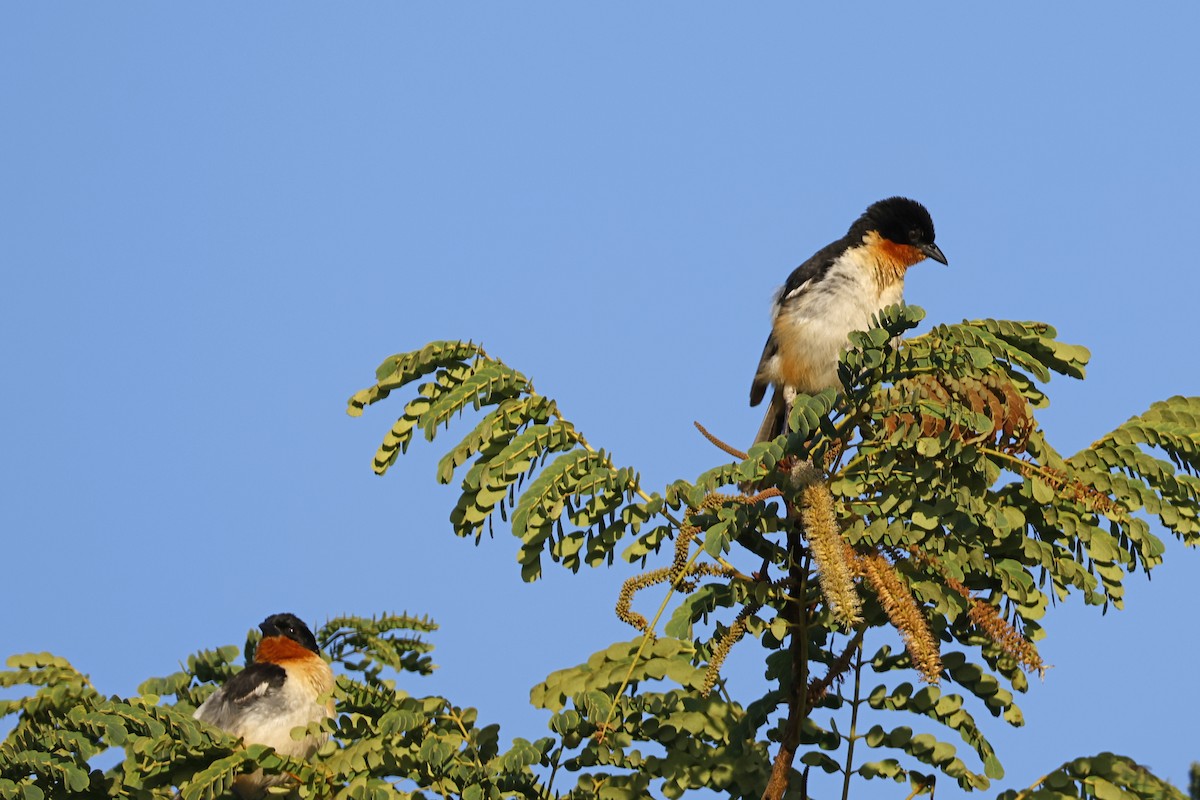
[894, 556]
[384, 742]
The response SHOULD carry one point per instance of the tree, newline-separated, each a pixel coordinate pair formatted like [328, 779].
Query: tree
[894, 554]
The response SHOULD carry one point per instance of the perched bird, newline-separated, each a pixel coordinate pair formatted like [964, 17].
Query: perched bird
[833, 293]
[278, 692]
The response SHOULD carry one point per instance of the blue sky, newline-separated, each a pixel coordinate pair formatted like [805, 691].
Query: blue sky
[215, 220]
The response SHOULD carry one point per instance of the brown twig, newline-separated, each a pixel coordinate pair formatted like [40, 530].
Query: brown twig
[765, 494]
[728, 448]
[819, 687]
[798, 706]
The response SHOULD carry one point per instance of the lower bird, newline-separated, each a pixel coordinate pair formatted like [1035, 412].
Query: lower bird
[281, 690]
[834, 292]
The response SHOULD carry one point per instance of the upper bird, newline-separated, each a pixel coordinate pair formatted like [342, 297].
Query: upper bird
[834, 292]
[278, 692]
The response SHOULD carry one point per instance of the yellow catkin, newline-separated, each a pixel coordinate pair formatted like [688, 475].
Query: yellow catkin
[624, 608]
[902, 609]
[988, 619]
[1089, 497]
[829, 552]
[683, 546]
[719, 499]
[697, 571]
[724, 645]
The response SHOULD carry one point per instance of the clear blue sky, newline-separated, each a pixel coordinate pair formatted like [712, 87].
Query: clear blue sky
[216, 219]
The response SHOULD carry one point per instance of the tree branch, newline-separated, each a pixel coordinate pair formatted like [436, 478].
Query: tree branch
[798, 707]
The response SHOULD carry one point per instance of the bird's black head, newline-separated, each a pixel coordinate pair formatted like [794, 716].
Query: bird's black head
[289, 625]
[902, 221]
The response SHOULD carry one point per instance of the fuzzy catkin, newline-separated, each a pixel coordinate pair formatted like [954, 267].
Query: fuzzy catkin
[902, 610]
[829, 552]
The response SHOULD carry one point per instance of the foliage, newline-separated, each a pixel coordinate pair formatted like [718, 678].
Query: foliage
[894, 556]
[1101, 776]
[382, 739]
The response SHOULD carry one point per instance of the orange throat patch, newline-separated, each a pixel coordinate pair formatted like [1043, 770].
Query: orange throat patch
[889, 259]
[276, 649]
[301, 664]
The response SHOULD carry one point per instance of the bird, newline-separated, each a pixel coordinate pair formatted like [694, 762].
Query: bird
[834, 292]
[280, 690]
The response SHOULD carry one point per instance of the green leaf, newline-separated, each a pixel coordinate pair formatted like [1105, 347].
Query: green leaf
[818, 759]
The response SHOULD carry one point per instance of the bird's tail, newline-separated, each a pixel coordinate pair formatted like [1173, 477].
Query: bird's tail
[775, 419]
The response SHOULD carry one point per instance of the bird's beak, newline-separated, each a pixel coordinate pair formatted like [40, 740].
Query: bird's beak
[934, 252]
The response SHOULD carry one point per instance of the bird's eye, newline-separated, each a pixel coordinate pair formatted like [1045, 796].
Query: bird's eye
[914, 235]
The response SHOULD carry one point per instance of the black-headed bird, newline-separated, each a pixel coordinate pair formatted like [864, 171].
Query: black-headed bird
[834, 292]
[280, 691]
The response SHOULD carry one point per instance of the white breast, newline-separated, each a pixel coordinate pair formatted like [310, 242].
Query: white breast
[813, 324]
[294, 708]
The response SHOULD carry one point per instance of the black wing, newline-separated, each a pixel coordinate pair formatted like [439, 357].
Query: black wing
[256, 681]
[759, 386]
[811, 270]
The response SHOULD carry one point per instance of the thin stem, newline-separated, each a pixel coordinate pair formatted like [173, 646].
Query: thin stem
[579, 437]
[1010, 457]
[648, 637]
[683, 575]
[452, 715]
[818, 688]
[853, 737]
[777, 784]
[1032, 787]
[553, 771]
[859, 457]
[802, 676]
[667, 515]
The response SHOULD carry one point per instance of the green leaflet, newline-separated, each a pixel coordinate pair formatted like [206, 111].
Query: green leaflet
[488, 385]
[518, 433]
[488, 482]
[945, 709]
[543, 500]
[606, 670]
[1105, 776]
[1169, 489]
[928, 750]
[647, 544]
[429, 394]
[381, 735]
[370, 645]
[1172, 425]
[941, 478]
[498, 426]
[65, 774]
[699, 738]
[399, 370]
[216, 780]
[698, 605]
[810, 412]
